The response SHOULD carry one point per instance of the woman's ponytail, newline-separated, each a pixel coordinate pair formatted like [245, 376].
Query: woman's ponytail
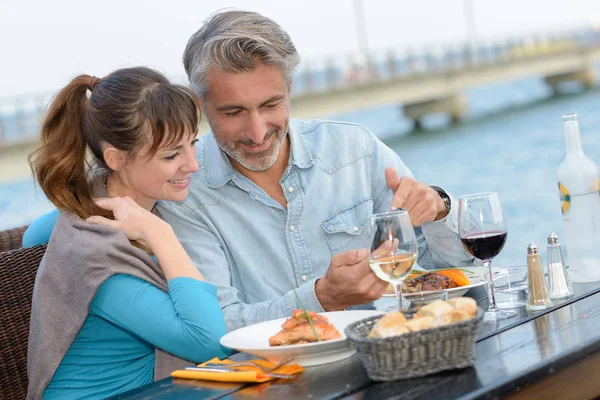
[59, 164]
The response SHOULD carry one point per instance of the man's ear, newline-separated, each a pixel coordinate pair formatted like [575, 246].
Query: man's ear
[114, 158]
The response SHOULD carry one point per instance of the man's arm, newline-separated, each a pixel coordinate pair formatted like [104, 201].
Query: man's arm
[207, 250]
[439, 243]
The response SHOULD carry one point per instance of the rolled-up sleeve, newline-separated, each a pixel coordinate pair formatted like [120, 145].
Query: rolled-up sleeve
[207, 251]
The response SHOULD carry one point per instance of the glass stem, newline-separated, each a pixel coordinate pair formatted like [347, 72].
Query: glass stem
[398, 290]
[490, 284]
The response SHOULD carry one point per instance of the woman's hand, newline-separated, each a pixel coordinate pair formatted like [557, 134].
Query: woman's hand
[141, 225]
[131, 219]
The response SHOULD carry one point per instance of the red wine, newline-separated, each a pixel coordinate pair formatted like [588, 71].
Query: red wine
[484, 245]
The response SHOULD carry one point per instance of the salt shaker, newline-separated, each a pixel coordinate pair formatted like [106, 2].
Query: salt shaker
[559, 284]
[538, 295]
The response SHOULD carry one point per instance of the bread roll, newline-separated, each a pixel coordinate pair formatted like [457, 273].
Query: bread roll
[418, 324]
[460, 315]
[390, 319]
[381, 333]
[442, 320]
[434, 309]
[464, 303]
[390, 324]
[433, 315]
[452, 317]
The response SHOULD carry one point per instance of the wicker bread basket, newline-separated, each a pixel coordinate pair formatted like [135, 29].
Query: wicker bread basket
[414, 354]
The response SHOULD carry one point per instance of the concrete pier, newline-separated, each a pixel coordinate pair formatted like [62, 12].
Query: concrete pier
[425, 82]
[456, 105]
[13, 160]
[586, 76]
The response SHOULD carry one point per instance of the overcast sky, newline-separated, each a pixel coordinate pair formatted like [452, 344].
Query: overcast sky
[43, 44]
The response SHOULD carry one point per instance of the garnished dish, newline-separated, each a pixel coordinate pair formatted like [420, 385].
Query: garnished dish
[442, 279]
[304, 327]
[433, 315]
[254, 339]
[456, 281]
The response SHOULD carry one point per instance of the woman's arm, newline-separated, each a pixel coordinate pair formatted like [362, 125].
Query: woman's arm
[187, 321]
[140, 224]
[171, 256]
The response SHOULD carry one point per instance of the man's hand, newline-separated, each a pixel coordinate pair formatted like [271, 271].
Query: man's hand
[349, 281]
[422, 202]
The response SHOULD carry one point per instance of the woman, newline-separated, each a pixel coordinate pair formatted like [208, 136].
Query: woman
[117, 301]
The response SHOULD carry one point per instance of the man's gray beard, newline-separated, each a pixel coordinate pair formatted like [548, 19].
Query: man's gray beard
[244, 162]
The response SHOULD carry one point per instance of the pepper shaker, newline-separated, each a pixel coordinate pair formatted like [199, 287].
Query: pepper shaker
[538, 294]
[559, 284]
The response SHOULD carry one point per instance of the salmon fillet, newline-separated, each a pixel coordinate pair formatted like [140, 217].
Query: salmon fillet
[299, 317]
[297, 330]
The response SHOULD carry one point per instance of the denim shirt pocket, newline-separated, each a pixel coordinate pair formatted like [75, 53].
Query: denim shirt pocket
[345, 230]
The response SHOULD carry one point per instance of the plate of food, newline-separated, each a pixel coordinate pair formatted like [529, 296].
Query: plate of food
[295, 336]
[456, 281]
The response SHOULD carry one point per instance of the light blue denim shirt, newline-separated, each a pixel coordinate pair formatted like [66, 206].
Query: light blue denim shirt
[255, 251]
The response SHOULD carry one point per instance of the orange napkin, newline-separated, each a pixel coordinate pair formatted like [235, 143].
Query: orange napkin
[244, 374]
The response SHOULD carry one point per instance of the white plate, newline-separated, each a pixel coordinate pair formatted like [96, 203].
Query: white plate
[477, 278]
[254, 339]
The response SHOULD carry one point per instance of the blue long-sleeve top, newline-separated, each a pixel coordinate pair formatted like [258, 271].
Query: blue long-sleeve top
[128, 318]
[40, 230]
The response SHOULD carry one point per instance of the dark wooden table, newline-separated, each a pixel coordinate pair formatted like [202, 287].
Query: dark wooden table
[547, 355]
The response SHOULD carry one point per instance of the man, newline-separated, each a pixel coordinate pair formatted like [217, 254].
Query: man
[279, 207]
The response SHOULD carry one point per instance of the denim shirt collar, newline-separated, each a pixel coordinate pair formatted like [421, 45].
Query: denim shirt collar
[217, 170]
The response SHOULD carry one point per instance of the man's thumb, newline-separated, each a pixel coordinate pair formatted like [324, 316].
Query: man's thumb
[392, 179]
[348, 258]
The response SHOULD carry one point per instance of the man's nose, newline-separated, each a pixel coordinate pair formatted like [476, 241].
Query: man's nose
[256, 129]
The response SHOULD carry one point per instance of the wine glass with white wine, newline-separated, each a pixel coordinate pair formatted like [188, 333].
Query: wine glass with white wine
[393, 249]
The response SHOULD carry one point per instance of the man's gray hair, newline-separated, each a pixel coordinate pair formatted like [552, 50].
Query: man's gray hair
[238, 41]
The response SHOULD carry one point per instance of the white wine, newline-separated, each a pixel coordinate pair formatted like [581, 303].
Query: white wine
[395, 268]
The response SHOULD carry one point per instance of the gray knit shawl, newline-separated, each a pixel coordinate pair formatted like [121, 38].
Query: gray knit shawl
[80, 257]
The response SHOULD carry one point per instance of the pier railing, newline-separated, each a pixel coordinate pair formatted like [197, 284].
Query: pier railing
[20, 116]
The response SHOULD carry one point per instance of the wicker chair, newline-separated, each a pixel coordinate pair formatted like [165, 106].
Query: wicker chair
[17, 275]
[11, 239]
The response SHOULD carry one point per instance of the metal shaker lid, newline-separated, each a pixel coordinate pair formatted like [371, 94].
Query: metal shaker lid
[532, 249]
[553, 239]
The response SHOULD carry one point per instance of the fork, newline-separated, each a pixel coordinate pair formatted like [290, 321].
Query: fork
[222, 369]
[281, 363]
[214, 367]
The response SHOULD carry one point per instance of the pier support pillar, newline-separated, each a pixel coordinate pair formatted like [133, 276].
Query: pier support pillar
[13, 160]
[455, 105]
[586, 76]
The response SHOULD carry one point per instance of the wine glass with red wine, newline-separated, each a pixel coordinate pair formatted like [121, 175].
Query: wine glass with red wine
[482, 230]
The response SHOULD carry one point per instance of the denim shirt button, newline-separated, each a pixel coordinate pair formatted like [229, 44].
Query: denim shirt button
[304, 278]
[291, 189]
[292, 228]
[356, 229]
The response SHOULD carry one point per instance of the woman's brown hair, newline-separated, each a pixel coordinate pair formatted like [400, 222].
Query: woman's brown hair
[126, 109]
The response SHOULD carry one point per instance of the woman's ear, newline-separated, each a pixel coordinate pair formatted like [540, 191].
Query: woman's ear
[114, 158]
